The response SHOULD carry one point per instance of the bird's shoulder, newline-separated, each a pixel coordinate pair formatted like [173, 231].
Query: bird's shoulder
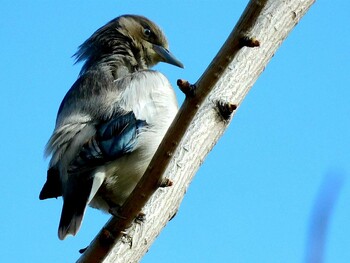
[96, 91]
[86, 91]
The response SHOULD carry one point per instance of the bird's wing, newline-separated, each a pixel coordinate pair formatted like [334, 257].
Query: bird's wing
[113, 139]
[91, 130]
[63, 146]
[80, 111]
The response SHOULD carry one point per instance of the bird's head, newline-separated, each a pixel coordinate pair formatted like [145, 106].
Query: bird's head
[148, 38]
[134, 37]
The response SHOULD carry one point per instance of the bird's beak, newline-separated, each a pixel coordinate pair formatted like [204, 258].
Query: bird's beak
[167, 56]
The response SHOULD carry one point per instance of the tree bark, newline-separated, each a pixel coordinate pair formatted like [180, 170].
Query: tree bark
[196, 129]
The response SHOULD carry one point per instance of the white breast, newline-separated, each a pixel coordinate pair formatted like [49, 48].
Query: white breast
[151, 98]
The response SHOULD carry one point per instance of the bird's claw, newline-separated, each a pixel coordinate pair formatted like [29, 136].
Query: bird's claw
[114, 211]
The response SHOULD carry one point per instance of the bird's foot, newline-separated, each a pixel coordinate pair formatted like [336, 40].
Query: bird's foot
[114, 211]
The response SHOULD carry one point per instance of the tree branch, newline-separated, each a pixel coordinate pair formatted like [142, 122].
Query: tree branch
[202, 119]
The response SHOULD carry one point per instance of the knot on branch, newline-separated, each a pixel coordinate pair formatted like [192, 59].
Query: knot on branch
[187, 88]
[165, 182]
[246, 41]
[226, 109]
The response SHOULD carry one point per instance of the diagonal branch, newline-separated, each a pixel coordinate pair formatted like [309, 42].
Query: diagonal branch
[201, 121]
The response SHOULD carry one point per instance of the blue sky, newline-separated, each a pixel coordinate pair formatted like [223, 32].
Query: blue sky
[252, 199]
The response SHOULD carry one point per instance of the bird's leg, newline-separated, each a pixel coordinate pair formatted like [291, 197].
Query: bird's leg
[114, 208]
[114, 211]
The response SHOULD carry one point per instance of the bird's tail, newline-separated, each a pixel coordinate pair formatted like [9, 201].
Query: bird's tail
[75, 200]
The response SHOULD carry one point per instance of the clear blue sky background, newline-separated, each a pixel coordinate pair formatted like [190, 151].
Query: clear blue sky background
[251, 200]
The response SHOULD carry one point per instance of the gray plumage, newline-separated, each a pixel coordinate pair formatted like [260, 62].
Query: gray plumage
[111, 121]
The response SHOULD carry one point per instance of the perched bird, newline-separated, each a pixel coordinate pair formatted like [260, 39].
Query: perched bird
[111, 121]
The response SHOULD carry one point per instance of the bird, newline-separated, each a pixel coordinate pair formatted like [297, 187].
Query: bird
[111, 121]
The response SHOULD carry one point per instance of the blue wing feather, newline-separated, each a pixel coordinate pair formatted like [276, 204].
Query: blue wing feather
[118, 136]
[113, 139]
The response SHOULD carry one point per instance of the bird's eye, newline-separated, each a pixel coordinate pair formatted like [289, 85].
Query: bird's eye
[147, 32]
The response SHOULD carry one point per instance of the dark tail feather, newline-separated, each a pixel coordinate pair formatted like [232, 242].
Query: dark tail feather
[74, 204]
[70, 221]
[52, 187]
